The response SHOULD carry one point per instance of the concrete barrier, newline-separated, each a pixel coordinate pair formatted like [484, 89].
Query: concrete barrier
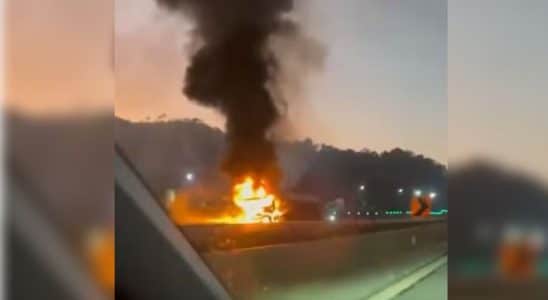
[234, 236]
[350, 267]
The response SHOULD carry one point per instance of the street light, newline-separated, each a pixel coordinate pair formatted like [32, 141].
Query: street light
[433, 195]
[418, 193]
[400, 191]
[332, 218]
[362, 187]
[189, 176]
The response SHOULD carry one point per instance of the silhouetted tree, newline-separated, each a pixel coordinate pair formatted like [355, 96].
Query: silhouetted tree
[163, 150]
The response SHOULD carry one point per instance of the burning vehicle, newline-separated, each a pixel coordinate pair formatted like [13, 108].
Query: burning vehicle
[251, 201]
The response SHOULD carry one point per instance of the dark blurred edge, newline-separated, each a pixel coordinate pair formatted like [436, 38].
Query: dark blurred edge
[472, 289]
[488, 195]
[38, 255]
[153, 258]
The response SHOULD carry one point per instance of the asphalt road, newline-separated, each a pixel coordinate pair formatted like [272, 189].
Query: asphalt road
[350, 267]
[433, 287]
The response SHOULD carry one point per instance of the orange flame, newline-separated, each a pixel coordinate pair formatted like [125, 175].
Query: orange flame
[256, 204]
[251, 203]
[100, 255]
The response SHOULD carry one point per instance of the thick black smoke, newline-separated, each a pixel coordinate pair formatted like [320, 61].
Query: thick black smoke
[231, 71]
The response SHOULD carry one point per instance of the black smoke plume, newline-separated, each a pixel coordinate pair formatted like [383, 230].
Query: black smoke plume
[231, 71]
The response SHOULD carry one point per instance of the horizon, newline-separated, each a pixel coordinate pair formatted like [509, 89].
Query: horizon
[364, 149]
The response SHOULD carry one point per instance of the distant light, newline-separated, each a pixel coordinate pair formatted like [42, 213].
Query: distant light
[433, 195]
[367, 213]
[189, 176]
[376, 213]
[418, 193]
[348, 213]
[362, 187]
[358, 213]
[332, 218]
[400, 191]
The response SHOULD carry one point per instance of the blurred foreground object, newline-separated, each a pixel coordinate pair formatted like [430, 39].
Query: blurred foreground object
[100, 256]
[58, 110]
[520, 255]
[40, 255]
[497, 229]
[60, 206]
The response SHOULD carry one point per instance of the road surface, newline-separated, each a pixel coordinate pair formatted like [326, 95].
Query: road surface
[351, 267]
[433, 287]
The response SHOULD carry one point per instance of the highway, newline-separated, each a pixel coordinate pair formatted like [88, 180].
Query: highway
[349, 267]
[432, 287]
[290, 260]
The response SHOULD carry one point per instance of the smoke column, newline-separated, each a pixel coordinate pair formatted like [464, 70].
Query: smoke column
[231, 71]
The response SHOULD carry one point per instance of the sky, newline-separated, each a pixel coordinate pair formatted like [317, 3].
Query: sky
[382, 85]
[58, 56]
[390, 78]
[498, 75]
